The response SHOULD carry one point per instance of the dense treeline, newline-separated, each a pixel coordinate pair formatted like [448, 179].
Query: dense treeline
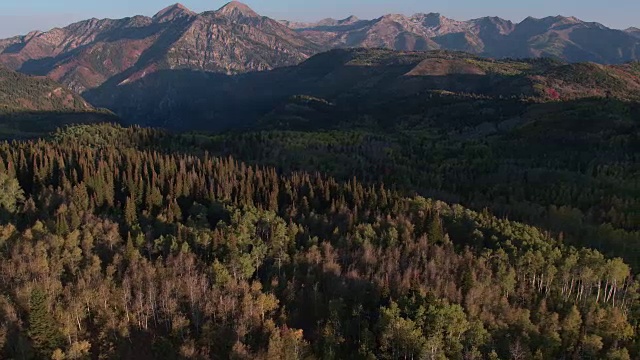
[567, 167]
[141, 251]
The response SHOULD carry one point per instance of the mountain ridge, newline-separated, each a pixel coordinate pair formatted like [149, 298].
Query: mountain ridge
[172, 12]
[567, 38]
[85, 54]
[236, 9]
[235, 39]
[358, 79]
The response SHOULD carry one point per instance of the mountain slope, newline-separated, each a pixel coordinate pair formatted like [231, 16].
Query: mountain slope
[86, 54]
[565, 38]
[236, 39]
[32, 106]
[20, 92]
[359, 81]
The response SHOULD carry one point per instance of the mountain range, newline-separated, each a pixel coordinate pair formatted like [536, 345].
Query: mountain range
[86, 54]
[566, 38]
[232, 67]
[235, 39]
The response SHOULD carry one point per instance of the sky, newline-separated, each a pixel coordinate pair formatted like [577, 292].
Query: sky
[21, 16]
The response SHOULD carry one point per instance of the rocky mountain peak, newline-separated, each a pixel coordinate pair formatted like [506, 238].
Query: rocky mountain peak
[494, 24]
[351, 19]
[236, 9]
[564, 20]
[438, 24]
[633, 31]
[492, 20]
[393, 18]
[172, 12]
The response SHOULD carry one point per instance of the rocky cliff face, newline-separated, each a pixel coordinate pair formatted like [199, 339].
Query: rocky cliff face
[235, 39]
[85, 55]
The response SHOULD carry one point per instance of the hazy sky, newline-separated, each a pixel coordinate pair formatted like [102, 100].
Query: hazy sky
[22, 16]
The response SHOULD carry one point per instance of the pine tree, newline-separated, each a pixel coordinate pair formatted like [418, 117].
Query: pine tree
[130, 213]
[43, 332]
[435, 232]
[10, 193]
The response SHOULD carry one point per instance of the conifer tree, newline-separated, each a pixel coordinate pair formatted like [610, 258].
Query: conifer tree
[43, 331]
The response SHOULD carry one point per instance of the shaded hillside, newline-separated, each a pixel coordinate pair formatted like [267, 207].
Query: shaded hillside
[88, 53]
[359, 82]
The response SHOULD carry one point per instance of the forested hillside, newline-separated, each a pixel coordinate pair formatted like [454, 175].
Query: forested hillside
[135, 243]
[20, 92]
[32, 106]
[567, 167]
